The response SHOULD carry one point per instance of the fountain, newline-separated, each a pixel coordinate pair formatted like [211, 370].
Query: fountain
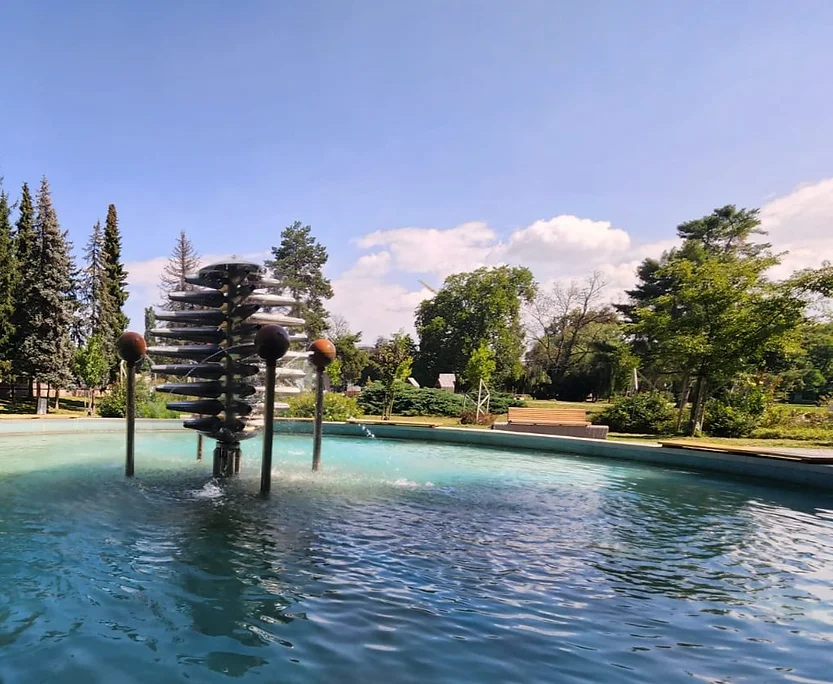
[215, 339]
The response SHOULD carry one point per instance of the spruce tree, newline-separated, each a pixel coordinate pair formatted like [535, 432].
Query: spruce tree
[27, 251]
[8, 279]
[183, 261]
[52, 303]
[95, 291]
[115, 275]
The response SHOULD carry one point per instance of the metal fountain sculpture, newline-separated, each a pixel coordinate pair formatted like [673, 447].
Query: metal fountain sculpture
[215, 339]
[218, 334]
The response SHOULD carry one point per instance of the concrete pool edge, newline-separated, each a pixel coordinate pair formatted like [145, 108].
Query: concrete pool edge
[816, 475]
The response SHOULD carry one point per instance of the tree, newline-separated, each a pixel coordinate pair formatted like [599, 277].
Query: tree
[8, 282]
[472, 309]
[351, 360]
[716, 315]
[150, 324]
[52, 303]
[92, 367]
[95, 290]
[115, 274]
[565, 326]
[393, 359]
[298, 266]
[481, 366]
[27, 255]
[184, 261]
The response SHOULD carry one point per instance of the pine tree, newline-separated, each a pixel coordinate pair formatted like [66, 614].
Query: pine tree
[8, 280]
[150, 324]
[27, 250]
[298, 264]
[115, 275]
[183, 261]
[52, 303]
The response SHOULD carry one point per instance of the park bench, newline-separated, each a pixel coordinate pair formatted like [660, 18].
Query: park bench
[549, 416]
[566, 422]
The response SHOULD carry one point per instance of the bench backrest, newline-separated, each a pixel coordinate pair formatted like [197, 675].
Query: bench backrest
[569, 415]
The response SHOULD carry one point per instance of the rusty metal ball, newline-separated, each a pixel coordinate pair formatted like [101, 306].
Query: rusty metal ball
[271, 342]
[131, 347]
[323, 353]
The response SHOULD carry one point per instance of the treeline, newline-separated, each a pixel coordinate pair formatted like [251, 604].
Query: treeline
[705, 327]
[58, 322]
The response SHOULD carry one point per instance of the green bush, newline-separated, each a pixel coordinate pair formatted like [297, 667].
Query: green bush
[645, 413]
[426, 401]
[737, 410]
[336, 406]
[149, 404]
[808, 434]
[411, 401]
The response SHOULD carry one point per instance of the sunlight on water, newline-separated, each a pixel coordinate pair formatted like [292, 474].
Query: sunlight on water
[401, 561]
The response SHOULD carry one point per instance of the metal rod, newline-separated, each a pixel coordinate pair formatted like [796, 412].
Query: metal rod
[268, 429]
[131, 419]
[199, 447]
[319, 419]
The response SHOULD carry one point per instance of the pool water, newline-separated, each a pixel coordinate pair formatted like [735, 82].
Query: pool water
[402, 562]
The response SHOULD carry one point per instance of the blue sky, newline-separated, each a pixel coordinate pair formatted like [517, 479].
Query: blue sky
[230, 120]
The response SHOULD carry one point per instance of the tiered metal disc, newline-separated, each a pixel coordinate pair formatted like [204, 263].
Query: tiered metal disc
[219, 364]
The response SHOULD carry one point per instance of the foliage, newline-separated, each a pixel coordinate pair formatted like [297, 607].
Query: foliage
[336, 406]
[642, 413]
[810, 373]
[91, 366]
[115, 280]
[472, 309]
[27, 255]
[471, 418]
[8, 281]
[426, 401]
[46, 345]
[150, 323]
[183, 261]
[411, 401]
[738, 410]
[298, 264]
[149, 404]
[351, 360]
[393, 359]
[481, 366]
[706, 310]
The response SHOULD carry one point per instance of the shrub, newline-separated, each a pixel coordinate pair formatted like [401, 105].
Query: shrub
[500, 403]
[470, 418]
[149, 404]
[738, 410]
[411, 401]
[645, 413]
[336, 406]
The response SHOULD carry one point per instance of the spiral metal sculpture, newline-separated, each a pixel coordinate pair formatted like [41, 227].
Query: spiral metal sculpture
[215, 341]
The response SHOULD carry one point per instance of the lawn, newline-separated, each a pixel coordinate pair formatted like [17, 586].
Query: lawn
[69, 407]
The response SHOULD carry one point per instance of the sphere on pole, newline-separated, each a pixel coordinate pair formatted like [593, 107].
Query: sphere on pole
[271, 343]
[131, 347]
[323, 353]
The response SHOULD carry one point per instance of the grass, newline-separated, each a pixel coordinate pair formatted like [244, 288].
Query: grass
[68, 407]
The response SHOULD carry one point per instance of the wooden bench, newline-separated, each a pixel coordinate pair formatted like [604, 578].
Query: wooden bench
[552, 416]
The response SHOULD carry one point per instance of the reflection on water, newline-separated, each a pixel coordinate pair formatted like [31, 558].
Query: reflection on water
[403, 562]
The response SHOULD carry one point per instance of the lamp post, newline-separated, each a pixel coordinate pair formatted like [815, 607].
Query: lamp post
[132, 349]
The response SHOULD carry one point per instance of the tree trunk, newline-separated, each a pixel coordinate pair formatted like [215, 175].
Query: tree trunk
[695, 423]
[684, 392]
[57, 396]
[92, 401]
[37, 389]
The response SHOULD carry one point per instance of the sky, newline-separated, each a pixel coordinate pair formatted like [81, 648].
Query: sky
[424, 138]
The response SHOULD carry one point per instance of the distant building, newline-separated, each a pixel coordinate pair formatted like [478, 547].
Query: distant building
[413, 383]
[447, 382]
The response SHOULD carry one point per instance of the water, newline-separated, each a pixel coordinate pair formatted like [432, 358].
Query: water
[402, 562]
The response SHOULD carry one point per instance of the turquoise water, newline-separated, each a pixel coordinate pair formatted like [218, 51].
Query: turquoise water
[402, 562]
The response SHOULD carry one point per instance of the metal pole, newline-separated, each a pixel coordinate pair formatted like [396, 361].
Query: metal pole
[131, 419]
[199, 447]
[268, 429]
[319, 419]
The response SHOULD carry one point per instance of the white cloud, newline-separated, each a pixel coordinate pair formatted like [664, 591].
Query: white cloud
[371, 296]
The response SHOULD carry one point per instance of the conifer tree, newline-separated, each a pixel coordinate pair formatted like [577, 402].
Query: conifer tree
[8, 278]
[115, 276]
[52, 303]
[94, 290]
[27, 251]
[183, 261]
